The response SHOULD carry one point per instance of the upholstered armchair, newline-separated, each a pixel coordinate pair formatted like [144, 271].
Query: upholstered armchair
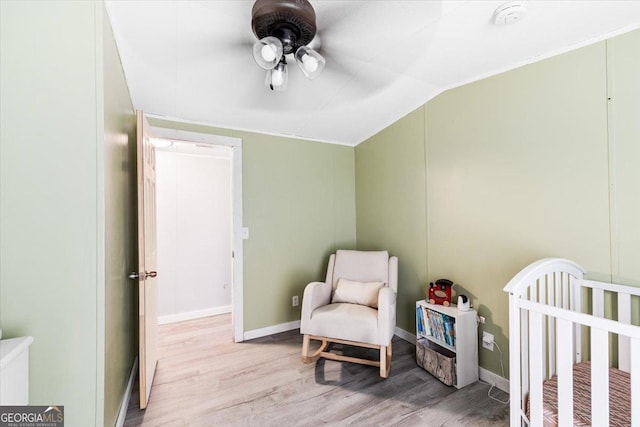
[356, 305]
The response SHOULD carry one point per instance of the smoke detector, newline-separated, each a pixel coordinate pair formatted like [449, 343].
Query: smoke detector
[510, 13]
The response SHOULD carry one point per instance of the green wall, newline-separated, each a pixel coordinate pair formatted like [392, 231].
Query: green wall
[48, 196]
[624, 127]
[299, 205]
[532, 163]
[623, 69]
[120, 293]
[62, 188]
[517, 171]
[391, 205]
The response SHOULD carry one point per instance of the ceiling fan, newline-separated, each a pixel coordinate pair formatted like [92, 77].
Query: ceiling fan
[285, 27]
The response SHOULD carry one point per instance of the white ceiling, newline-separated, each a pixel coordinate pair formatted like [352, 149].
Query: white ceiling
[192, 60]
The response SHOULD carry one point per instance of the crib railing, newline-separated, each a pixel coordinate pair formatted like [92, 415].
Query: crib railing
[547, 318]
[623, 296]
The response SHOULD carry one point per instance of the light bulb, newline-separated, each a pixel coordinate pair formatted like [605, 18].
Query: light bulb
[276, 77]
[310, 63]
[268, 53]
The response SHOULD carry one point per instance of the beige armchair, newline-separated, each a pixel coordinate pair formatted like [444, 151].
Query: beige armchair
[356, 305]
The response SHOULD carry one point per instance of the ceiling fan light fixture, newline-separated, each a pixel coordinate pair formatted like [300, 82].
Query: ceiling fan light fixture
[285, 27]
[310, 62]
[161, 143]
[267, 52]
[277, 78]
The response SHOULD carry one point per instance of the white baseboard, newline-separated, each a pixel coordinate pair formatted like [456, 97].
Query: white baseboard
[189, 315]
[493, 378]
[124, 406]
[405, 335]
[270, 330]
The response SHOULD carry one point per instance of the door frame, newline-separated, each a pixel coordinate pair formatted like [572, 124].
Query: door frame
[237, 295]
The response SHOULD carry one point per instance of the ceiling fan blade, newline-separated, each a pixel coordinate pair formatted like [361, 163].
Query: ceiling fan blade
[218, 17]
[204, 28]
[360, 74]
[372, 31]
[335, 15]
[203, 50]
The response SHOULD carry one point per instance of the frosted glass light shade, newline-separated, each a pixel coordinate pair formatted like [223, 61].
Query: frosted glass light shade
[267, 52]
[277, 78]
[161, 143]
[310, 62]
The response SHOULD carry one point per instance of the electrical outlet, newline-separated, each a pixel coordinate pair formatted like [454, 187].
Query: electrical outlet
[294, 301]
[487, 340]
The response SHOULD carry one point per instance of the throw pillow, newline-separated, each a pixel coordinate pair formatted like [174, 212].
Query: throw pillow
[354, 292]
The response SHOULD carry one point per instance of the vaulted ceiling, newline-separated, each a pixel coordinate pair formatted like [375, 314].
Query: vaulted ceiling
[192, 60]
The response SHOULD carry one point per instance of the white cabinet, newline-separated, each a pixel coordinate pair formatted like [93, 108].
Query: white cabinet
[14, 371]
[452, 359]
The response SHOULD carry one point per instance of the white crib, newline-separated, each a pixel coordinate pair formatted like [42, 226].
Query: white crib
[549, 320]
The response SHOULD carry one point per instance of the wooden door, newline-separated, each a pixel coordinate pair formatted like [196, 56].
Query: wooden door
[147, 258]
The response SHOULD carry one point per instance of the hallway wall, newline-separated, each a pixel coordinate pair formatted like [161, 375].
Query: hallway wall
[67, 236]
[120, 211]
[194, 230]
[48, 252]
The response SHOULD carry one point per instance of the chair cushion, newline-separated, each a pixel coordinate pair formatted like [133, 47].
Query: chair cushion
[345, 321]
[363, 293]
[363, 266]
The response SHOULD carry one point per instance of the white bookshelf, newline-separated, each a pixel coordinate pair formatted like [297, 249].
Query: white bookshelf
[465, 347]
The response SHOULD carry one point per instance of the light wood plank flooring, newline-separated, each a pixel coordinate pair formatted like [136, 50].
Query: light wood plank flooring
[204, 379]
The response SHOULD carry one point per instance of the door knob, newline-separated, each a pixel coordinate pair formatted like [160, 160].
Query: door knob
[136, 275]
[152, 274]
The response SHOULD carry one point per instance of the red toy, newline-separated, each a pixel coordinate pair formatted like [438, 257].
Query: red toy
[440, 292]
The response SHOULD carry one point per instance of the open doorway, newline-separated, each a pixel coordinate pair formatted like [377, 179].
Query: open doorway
[194, 230]
[199, 226]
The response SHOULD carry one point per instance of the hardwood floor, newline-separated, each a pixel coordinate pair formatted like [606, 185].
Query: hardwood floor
[204, 379]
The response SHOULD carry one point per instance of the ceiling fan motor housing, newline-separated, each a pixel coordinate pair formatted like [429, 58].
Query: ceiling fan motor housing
[291, 21]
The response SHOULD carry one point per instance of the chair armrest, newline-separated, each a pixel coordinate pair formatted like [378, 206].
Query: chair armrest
[386, 314]
[316, 294]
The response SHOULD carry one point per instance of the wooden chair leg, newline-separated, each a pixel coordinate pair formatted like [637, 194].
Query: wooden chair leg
[310, 358]
[323, 351]
[305, 347]
[385, 360]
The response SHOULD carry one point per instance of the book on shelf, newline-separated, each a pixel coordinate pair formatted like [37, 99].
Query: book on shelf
[439, 326]
[450, 333]
[420, 321]
[425, 318]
